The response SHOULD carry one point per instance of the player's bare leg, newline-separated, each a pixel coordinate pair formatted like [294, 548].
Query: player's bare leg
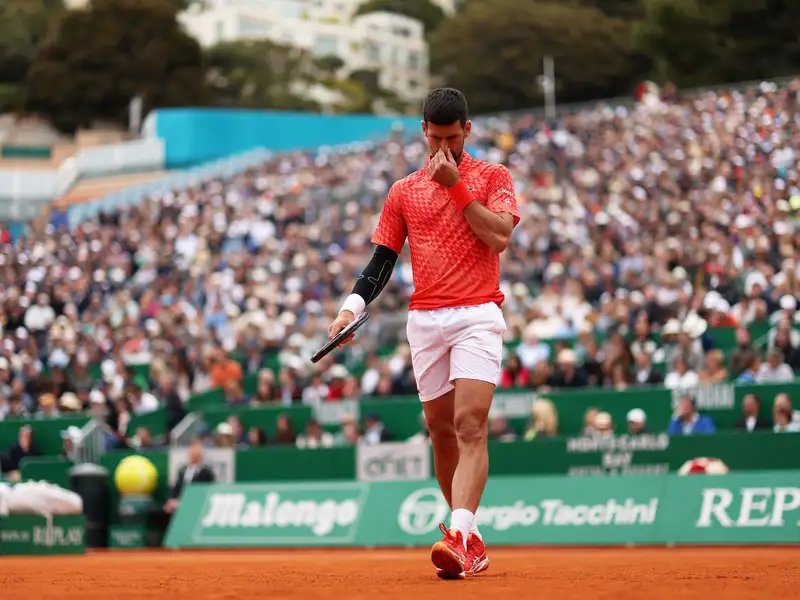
[440, 416]
[473, 399]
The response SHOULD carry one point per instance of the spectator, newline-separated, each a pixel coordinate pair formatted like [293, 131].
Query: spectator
[234, 394]
[499, 429]
[786, 339]
[568, 375]
[266, 391]
[589, 421]
[688, 421]
[69, 442]
[375, 431]
[318, 391]
[603, 425]
[714, 370]
[314, 437]
[224, 370]
[514, 375]
[531, 351]
[224, 436]
[774, 370]
[544, 420]
[783, 415]
[239, 434]
[47, 407]
[284, 431]
[751, 419]
[748, 376]
[338, 378]
[681, 378]
[645, 374]
[256, 437]
[24, 448]
[195, 471]
[637, 422]
[348, 434]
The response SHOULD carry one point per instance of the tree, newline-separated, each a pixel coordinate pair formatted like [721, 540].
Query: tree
[262, 74]
[23, 26]
[699, 42]
[492, 50]
[425, 11]
[101, 58]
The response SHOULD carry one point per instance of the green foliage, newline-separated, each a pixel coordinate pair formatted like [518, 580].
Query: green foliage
[492, 50]
[698, 42]
[261, 74]
[23, 26]
[101, 58]
[426, 11]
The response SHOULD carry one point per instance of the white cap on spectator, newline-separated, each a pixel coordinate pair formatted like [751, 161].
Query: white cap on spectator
[70, 401]
[224, 428]
[671, 327]
[3, 363]
[97, 397]
[636, 415]
[788, 303]
[338, 372]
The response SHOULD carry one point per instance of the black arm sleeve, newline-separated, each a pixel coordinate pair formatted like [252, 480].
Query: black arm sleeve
[376, 275]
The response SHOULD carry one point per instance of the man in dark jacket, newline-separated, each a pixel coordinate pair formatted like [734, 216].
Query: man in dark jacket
[751, 421]
[193, 472]
[9, 462]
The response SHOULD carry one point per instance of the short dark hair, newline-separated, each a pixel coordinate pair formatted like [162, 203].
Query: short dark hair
[445, 106]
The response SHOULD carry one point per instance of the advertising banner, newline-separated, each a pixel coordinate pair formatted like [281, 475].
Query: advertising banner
[394, 461]
[731, 509]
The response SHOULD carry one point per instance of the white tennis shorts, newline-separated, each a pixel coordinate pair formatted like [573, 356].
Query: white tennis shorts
[455, 343]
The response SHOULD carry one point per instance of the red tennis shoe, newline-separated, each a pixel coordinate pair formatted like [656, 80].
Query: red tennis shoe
[477, 561]
[448, 555]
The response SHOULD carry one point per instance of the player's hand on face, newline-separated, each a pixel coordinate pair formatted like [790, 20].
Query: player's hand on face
[340, 322]
[443, 168]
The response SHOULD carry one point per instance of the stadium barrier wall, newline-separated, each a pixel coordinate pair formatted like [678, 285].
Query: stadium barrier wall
[723, 403]
[194, 135]
[20, 186]
[757, 508]
[33, 535]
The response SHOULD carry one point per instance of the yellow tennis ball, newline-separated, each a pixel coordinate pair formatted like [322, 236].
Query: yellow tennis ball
[135, 476]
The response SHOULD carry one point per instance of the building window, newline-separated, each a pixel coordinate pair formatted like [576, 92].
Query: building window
[401, 31]
[413, 60]
[326, 44]
[219, 30]
[251, 28]
[372, 51]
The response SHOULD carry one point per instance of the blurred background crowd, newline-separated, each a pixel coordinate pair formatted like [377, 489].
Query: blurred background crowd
[643, 228]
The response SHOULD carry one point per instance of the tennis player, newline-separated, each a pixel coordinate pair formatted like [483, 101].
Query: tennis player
[458, 214]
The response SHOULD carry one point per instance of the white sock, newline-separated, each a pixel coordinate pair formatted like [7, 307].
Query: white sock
[461, 520]
[474, 528]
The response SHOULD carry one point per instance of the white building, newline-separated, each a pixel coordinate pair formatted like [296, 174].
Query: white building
[392, 45]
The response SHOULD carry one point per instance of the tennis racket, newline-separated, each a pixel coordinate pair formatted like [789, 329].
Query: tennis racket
[340, 337]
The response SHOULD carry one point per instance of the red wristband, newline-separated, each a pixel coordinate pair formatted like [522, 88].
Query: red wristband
[461, 196]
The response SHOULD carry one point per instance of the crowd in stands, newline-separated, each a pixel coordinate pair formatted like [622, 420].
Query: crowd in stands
[643, 228]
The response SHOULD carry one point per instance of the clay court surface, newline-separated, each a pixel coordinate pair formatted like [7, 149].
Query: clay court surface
[521, 574]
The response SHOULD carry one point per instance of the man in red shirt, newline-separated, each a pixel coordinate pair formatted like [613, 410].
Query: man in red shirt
[458, 214]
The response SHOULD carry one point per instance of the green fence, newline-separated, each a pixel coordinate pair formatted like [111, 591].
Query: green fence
[46, 432]
[401, 414]
[757, 508]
